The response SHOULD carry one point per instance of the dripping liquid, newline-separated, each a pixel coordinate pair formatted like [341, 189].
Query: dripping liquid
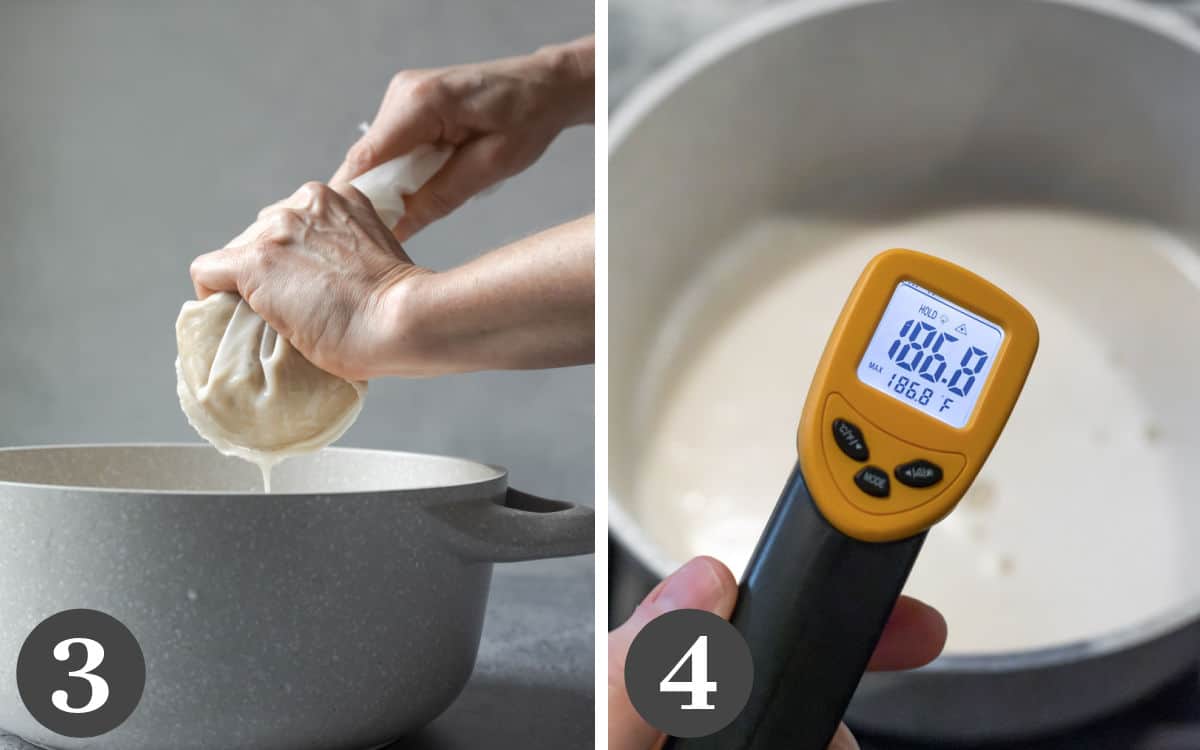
[265, 467]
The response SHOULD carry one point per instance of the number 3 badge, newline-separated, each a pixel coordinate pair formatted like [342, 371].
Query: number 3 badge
[688, 673]
[81, 673]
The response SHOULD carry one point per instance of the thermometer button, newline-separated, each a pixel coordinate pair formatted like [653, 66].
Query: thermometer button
[850, 439]
[919, 473]
[873, 481]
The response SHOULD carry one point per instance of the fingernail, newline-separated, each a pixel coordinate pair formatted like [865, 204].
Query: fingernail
[694, 586]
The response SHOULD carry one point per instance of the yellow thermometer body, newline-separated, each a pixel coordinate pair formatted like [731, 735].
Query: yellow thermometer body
[920, 374]
[918, 379]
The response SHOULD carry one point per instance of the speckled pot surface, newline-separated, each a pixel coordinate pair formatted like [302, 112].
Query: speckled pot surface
[342, 611]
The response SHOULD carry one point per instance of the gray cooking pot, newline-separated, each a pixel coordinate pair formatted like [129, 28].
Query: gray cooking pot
[343, 611]
[854, 109]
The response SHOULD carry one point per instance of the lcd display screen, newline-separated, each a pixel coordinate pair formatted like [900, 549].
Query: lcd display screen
[931, 354]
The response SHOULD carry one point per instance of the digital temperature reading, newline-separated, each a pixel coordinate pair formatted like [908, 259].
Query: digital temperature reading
[930, 354]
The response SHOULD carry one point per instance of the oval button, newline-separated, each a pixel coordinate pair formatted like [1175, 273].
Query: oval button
[873, 481]
[850, 439]
[919, 473]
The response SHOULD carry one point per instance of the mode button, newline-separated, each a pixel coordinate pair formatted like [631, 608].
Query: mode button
[873, 481]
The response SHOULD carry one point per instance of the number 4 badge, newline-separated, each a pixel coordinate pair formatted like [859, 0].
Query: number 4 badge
[688, 673]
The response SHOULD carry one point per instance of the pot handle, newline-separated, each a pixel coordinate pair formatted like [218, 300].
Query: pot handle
[525, 527]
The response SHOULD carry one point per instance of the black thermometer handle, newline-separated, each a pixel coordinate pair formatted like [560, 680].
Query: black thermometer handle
[811, 605]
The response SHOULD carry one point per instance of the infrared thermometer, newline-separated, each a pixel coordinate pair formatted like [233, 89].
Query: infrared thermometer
[916, 382]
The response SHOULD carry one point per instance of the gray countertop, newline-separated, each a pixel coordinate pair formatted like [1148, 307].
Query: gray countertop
[533, 682]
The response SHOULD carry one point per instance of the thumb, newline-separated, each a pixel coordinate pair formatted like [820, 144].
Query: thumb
[843, 740]
[396, 130]
[474, 167]
[702, 583]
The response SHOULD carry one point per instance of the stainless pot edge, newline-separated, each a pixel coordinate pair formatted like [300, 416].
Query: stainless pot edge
[649, 94]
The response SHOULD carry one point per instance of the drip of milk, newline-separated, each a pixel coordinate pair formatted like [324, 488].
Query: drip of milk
[1076, 525]
[265, 466]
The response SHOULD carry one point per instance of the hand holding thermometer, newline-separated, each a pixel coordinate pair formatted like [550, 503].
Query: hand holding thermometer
[918, 379]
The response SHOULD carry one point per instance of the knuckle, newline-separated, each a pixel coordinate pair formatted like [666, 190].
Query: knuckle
[316, 190]
[429, 90]
[406, 79]
[281, 224]
[426, 88]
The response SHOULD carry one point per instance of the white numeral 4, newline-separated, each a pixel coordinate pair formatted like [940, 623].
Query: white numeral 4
[95, 655]
[699, 687]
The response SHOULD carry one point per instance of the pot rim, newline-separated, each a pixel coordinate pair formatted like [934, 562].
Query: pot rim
[498, 473]
[712, 48]
[643, 99]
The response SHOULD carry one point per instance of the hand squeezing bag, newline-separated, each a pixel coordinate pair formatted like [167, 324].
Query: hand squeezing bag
[245, 388]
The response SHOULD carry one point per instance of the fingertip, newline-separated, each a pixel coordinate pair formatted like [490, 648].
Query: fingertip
[700, 583]
[395, 131]
[924, 617]
[214, 272]
[197, 270]
[843, 739]
[915, 635]
[361, 157]
[726, 584]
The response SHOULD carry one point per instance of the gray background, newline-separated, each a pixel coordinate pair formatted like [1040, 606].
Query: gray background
[134, 136]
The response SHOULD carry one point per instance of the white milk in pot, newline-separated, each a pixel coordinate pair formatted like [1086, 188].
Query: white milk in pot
[1073, 527]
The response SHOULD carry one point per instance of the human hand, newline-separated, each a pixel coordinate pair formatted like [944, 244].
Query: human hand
[914, 635]
[326, 274]
[500, 116]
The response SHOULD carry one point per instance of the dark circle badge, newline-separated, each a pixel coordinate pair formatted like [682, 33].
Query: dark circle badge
[689, 673]
[81, 673]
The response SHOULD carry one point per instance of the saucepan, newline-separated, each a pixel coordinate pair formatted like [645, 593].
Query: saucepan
[848, 113]
[342, 611]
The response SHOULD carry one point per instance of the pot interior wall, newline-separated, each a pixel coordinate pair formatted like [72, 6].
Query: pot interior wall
[889, 110]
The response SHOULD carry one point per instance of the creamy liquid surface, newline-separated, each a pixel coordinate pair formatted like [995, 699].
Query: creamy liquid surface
[1075, 526]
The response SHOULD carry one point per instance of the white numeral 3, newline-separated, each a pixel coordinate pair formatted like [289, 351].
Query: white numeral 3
[95, 655]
